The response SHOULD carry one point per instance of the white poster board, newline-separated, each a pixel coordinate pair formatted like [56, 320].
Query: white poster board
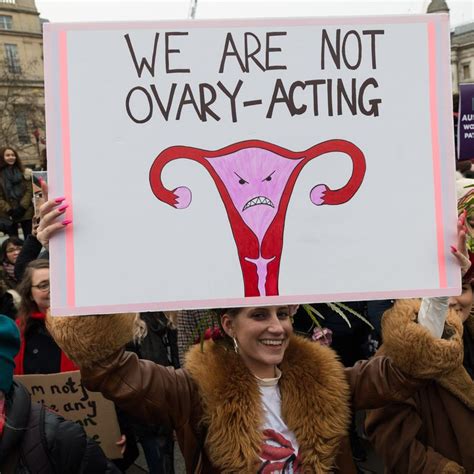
[236, 162]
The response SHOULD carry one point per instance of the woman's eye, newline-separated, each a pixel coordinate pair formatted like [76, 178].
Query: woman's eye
[258, 315]
[283, 315]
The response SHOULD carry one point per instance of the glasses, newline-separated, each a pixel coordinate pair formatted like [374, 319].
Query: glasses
[42, 286]
[13, 249]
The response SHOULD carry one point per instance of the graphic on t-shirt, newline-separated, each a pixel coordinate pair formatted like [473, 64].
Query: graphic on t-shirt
[255, 180]
[278, 455]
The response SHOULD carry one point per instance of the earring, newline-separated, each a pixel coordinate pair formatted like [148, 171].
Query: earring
[236, 346]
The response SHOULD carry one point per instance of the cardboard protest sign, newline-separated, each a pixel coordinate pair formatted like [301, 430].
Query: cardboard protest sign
[228, 163]
[466, 122]
[65, 394]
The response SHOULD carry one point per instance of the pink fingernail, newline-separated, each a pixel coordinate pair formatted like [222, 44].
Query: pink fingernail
[66, 222]
[59, 199]
[41, 181]
[63, 207]
[453, 249]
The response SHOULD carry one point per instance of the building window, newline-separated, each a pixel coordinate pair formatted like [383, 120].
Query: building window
[11, 58]
[21, 119]
[5, 22]
[466, 71]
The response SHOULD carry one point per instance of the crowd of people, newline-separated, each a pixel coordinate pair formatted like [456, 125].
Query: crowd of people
[239, 390]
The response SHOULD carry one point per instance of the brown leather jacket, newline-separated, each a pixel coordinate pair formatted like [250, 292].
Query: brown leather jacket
[214, 404]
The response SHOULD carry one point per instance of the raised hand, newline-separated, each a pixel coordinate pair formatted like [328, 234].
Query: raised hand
[50, 213]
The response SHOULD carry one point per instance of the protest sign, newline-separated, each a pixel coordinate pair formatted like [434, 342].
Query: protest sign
[65, 394]
[466, 122]
[236, 162]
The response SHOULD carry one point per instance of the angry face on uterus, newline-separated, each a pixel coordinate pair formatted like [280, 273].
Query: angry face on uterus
[255, 180]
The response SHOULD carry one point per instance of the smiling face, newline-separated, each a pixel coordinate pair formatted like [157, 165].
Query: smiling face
[262, 334]
[255, 179]
[462, 304]
[9, 157]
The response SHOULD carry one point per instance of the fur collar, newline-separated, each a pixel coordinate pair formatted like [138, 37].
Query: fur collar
[415, 351]
[314, 397]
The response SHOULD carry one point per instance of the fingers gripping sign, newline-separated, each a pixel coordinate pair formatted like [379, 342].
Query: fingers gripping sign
[51, 214]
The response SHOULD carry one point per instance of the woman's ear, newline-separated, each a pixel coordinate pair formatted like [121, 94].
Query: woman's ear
[227, 324]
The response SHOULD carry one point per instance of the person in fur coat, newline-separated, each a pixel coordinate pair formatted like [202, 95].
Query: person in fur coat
[259, 400]
[431, 432]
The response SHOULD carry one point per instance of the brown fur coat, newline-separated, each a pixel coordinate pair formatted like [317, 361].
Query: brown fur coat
[315, 405]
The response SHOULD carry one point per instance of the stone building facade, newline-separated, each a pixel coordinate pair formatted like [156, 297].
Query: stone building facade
[462, 55]
[22, 122]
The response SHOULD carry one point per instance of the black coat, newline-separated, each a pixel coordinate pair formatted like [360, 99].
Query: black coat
[64, 444]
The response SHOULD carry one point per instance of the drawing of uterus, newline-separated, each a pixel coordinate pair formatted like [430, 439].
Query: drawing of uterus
[255, 180]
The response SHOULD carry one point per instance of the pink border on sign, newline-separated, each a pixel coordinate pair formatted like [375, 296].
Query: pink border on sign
[436, 154]
[243, 22]
[258, 301]
[66, 149]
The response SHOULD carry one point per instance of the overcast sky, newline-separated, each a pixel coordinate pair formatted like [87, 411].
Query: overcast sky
[462, 11]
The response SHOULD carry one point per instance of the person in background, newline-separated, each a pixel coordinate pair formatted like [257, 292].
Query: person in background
[9, 252]
[39, 354]
[37, 246]
[9, 301]
[160, 346]
[16, 192]
[34, 439]
[189, 324]
[9, 298]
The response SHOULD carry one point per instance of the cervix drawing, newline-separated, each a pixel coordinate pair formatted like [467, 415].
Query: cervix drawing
[255, 180]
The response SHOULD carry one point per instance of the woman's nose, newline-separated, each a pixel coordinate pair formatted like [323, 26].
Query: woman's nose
[275, 324]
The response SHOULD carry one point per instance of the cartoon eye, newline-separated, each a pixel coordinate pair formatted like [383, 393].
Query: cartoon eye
[269, 177]
[241, 180]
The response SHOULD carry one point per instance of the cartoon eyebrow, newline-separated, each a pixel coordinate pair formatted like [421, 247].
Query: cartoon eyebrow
[269, 177]
[241, 180]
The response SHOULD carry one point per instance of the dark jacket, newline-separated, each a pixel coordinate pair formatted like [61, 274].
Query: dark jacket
[31, 250]
[160, 344]
[25, 202]
[39, 353]
[65, 443]
[214, 404]
[433, 431]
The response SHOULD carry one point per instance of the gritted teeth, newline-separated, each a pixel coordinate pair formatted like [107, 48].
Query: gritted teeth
[257, 201]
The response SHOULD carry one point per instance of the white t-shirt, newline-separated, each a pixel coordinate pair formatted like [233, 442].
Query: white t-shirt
[279, 452]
